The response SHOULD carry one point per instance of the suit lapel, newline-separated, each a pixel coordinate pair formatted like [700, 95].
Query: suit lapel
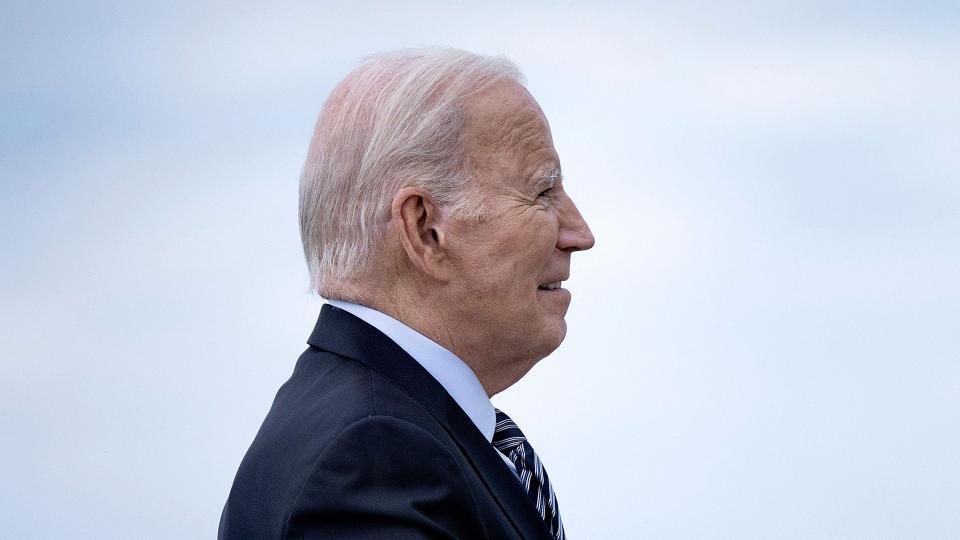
[341, 332]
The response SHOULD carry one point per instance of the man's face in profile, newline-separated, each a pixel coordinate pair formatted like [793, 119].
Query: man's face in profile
[510, 262]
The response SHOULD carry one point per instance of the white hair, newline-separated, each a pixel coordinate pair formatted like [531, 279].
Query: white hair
[395, 121]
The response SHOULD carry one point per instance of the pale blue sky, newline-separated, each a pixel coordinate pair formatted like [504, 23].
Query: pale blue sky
[765, 342]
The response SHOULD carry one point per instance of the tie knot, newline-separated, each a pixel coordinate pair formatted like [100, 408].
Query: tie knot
[506, 434]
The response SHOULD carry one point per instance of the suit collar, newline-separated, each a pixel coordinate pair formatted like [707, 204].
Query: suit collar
[347, 335]
[451, 372]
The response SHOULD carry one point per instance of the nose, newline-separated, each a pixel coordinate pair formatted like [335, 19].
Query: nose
[574, 234]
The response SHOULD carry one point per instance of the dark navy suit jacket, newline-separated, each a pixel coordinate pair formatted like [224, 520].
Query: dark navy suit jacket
[362, 442]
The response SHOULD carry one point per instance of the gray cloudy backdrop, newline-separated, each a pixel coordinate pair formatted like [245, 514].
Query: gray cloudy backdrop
[765, 342]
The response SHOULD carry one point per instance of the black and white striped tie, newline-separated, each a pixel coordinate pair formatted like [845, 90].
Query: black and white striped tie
[508, 439]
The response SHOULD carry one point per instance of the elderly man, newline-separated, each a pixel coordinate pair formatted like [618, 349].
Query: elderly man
[434, 219]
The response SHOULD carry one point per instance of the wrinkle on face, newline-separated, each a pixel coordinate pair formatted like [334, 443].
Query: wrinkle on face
[508, 128]
[509, 138]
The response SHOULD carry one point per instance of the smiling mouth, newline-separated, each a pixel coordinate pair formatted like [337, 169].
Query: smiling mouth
[550, 286]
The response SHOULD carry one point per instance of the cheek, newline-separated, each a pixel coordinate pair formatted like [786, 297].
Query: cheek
[509, 260]
[495, 286]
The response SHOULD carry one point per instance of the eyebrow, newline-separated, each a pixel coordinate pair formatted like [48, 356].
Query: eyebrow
[549, 177]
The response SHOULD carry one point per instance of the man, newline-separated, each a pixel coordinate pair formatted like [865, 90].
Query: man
[434, 218]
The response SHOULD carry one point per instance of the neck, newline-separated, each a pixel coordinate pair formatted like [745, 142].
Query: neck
[424, 309]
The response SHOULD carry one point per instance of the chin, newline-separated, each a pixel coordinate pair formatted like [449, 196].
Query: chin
[561, 326]
[553, 337]
[561, 332]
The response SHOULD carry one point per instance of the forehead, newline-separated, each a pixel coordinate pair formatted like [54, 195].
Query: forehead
[506, 127]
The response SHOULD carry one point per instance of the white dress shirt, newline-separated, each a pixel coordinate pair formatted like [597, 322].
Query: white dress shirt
[452, 373]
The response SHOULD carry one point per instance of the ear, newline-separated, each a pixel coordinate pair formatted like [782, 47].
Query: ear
[420, 225]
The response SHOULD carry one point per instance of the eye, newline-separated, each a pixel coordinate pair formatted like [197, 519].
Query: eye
[545, 192]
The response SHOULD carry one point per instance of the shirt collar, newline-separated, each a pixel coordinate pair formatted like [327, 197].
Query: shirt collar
[451, 372]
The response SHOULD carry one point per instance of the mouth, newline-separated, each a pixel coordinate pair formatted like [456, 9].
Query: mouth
[550, 286]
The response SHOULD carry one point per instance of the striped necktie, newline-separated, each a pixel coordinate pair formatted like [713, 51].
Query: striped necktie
[508, 439]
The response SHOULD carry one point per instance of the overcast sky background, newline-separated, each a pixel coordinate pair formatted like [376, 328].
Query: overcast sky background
[765, 342]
